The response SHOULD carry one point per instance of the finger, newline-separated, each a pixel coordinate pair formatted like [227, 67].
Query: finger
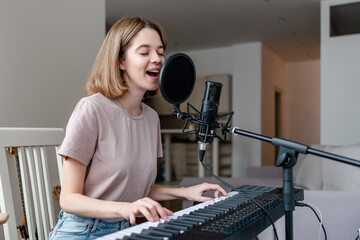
[132, 218]
[168, 212]
[223, 192]
[154, 208]
[157, 210]
[219, 189]
[204, 199]
[164, 213]
[146, 213]
[216, 193]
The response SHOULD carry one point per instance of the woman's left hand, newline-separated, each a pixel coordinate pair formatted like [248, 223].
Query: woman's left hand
[194, 193]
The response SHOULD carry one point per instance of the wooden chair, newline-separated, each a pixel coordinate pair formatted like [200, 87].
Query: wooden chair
[32, 145]
[3, 218]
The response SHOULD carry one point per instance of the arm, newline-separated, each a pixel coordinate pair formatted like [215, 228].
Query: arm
[73, 201]
[193, 193]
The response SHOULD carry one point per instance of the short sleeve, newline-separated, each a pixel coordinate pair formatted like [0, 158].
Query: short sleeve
[160, 149]
[81, 133]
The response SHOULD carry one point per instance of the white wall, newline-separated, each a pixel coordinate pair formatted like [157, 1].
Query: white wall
[47, 49]
[303, 101]
[212, 61]
[243, 62]
[246, 97]
[340, 84]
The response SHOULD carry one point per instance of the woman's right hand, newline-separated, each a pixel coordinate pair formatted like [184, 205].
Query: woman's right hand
[147, 208]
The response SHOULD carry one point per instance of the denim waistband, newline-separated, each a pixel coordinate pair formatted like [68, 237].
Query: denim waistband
[95, 222]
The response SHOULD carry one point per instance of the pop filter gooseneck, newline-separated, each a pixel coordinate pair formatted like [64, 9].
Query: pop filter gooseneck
[177, 78]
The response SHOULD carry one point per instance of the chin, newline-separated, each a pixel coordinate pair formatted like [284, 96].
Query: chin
[153, 87]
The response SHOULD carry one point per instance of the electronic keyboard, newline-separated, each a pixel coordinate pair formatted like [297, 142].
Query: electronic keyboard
[236, 216]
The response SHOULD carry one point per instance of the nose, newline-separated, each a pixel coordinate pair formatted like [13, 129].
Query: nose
[156, 58]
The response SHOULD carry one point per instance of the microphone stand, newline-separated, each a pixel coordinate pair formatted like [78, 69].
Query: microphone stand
[287, 158]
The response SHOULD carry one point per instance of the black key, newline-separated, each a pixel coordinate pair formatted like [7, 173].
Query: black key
[187, 219]
[227, 205]
[172, 231]
[135, 236]
[173, 226]
[182, 223]
[223, 209]
[204, 214]
[187, 223]
[194, 216]
[216, 211]
[156, 233]
[192, 219]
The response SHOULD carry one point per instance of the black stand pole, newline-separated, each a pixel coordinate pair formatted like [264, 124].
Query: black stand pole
[287, 158]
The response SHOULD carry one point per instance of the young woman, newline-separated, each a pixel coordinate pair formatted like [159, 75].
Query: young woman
[113, 140]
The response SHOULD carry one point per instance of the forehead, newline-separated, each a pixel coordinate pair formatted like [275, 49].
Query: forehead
[146, 37]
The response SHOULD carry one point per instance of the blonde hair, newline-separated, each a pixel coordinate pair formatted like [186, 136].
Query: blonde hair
[106, 77]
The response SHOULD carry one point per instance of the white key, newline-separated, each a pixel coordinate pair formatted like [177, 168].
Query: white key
[138, 228]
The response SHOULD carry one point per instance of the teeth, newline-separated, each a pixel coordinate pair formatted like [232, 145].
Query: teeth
[154, 71]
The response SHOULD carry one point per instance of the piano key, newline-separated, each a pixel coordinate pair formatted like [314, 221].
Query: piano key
[143, 237]
[192, 219]
[179, 227]
[223, 209]
[171, 231]
[168, 230]
[212, 211]
[185, 223]
[234, 213]
[204, 214]
[171, 222]
[177, 224]
[155, 233]
[206, 218]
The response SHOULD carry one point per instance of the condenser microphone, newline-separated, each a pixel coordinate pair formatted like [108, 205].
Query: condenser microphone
[177, 81]
[208, 116]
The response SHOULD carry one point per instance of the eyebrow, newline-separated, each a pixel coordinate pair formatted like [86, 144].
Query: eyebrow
[148, 45]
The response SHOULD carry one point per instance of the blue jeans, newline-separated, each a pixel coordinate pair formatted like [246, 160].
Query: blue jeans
[74, 227]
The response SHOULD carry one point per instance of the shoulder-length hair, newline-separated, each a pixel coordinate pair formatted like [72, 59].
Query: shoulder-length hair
[106, 77]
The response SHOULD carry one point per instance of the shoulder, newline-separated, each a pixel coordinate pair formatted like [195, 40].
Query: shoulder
[96, 101]
[149, 112]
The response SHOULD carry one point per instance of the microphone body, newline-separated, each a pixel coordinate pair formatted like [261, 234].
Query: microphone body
[208, 116]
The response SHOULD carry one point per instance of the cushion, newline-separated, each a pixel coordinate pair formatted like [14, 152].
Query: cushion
[308, 171]
[340, 211]
[338, 175]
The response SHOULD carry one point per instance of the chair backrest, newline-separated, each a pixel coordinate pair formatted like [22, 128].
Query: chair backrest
[34, 177]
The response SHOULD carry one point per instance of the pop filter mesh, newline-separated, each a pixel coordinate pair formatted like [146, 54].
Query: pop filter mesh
[178, 79]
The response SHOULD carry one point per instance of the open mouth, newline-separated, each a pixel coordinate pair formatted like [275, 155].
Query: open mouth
[153, 73]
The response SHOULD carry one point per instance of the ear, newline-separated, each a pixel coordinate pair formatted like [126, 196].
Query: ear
[121, 64]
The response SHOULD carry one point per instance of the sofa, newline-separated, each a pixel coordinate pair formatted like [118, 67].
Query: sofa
[332, 187]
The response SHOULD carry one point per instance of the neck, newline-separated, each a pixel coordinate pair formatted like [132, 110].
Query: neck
[131, 102]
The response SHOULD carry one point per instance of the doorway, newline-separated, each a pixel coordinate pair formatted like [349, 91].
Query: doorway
[278, 113]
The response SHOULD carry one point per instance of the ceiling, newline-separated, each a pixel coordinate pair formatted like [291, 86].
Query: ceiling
[291, 28]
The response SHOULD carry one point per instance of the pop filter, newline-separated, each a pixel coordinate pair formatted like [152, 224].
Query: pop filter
[177, 78]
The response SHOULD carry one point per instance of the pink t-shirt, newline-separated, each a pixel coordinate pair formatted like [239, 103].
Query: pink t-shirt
[120, 151]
